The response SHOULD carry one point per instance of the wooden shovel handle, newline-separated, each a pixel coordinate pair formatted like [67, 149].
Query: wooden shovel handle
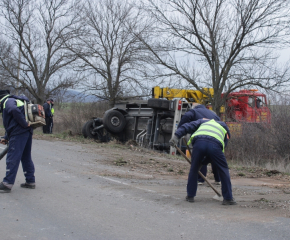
[200, 174]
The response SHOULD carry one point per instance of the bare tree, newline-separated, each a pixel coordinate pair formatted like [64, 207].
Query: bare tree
[5, 51]
[225, 44]
[36, 32]
[111, 56]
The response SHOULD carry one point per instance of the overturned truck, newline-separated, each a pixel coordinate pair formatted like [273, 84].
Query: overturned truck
[151, 123]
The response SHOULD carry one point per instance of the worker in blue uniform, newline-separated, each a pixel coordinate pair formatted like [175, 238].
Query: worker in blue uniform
[52, 113]
[48, 116]
[19, 136]
[199, 111]
[209, 138]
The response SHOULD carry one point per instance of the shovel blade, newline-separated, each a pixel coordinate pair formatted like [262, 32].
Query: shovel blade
[216, 197]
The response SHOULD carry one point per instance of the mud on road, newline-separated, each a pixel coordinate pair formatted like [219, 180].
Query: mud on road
[253, 187]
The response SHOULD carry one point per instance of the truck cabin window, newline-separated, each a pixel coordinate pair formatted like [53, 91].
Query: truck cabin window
[251, 102]
[260, 102]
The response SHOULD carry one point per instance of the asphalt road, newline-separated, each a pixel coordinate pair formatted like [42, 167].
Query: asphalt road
[73, 201]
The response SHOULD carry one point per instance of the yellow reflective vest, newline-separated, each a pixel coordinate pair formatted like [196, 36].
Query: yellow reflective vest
[212, 129]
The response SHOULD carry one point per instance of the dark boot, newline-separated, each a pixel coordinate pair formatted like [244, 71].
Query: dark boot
[229, 202]
[4, 188]
[189, 199]
[28, 185]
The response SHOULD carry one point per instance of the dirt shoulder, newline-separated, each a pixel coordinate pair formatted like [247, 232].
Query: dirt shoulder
[253, 187]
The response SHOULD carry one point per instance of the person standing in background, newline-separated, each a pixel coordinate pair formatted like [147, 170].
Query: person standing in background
[52, 113]
[48, 116]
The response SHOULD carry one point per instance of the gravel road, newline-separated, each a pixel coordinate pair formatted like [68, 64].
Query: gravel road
[83, 193]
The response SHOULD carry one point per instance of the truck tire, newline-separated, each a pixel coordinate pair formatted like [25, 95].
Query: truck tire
[114, 121]
[89, 128]
[158, 103]
[84, 130]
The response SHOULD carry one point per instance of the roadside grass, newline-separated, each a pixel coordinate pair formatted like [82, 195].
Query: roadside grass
[65, 135]
[242, 168]
[120, 162]
[251, 171]
[237, 169]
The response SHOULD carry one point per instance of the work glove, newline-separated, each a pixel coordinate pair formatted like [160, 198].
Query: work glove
[3, 141]
[173, 141]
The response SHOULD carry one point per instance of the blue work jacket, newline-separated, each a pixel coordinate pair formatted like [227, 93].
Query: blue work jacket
[14, 117]
[47, 110]
[198, 112]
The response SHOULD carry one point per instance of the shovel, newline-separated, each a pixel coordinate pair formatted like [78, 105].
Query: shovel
[218, 196]
[3, 153]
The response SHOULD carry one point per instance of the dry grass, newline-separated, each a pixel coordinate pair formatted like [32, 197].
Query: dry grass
[264, 147]
[267, 146]
[72, 117]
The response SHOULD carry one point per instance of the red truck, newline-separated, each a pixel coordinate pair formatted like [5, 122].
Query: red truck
[245, 106]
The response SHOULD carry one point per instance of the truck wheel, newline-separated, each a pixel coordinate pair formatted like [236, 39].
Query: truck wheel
[84, 130]
[89, 130]
[114, 121]
[158, 103]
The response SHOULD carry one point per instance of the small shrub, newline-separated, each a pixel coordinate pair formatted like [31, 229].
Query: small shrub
[181, 172]
[120, 162]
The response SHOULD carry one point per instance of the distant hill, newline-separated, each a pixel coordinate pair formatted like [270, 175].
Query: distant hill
[72, 95]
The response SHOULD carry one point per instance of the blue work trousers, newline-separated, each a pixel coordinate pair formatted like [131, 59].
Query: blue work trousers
[19, 150]
[213, 152]
[46, 128]
[203, 170]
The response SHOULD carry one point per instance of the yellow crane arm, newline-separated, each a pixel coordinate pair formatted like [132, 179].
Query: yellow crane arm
[189, 95]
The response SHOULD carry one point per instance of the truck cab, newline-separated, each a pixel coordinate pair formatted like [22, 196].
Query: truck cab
[247, 106]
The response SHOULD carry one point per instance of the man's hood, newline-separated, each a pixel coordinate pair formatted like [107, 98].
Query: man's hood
[23, 98]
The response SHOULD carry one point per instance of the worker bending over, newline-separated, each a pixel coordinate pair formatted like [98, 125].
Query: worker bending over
[209, 138]
[199, 111]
